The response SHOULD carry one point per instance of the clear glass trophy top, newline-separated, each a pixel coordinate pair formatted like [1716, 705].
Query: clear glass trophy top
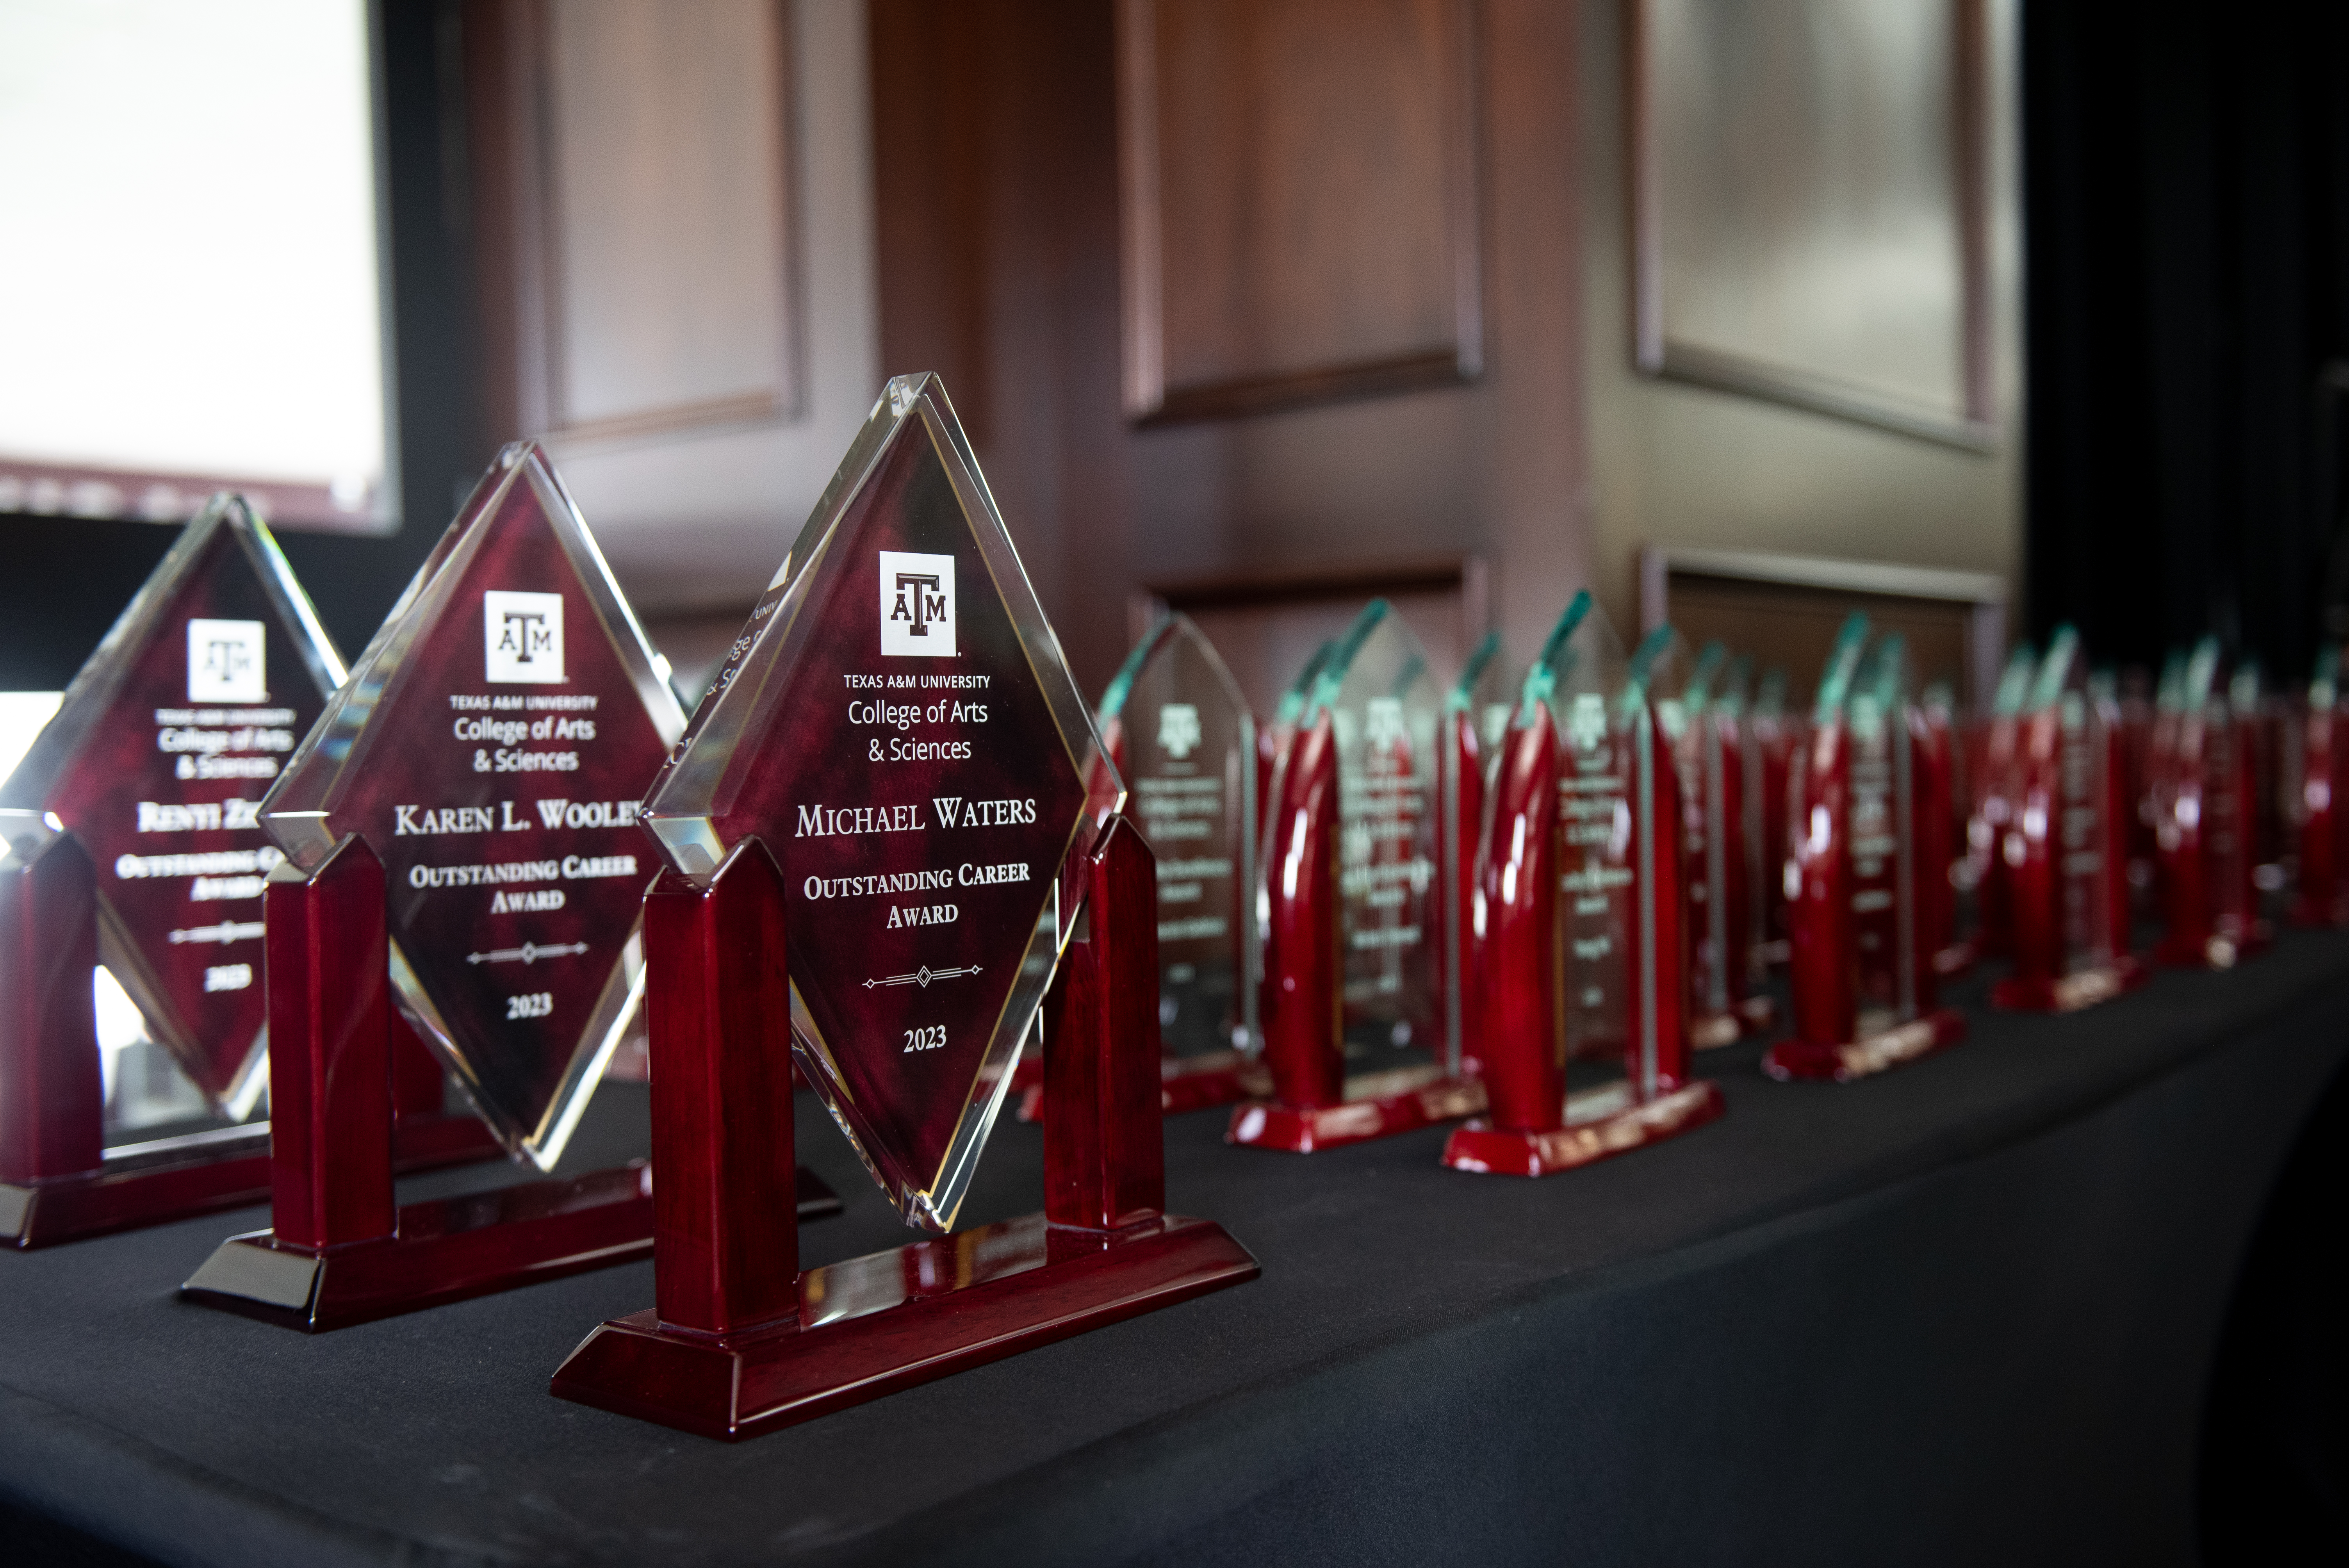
[157, 761]
[1883, 868]
[490, 748]
[1483, 693]
[2068, 755]
[1381, 701]
[1579, 672]
[898, 730]
[1182, 736]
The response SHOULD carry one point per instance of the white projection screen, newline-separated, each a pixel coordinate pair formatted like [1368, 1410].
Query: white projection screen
[193, 295]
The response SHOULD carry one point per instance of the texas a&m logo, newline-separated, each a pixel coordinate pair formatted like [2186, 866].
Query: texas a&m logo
[225, 661]
[917, 603]
[525, 636]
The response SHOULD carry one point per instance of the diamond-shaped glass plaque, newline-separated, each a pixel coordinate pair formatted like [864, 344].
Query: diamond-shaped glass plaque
[157, 759]
[490, 747]
[898, 727]
[1183, 740]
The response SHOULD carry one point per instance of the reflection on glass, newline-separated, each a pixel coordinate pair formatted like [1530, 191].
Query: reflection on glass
[897, 729]
[157, 761]
[490, 747]
[1181, 734]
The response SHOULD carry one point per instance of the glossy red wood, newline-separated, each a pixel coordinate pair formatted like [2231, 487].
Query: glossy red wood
[1106, 1162]
[444, 1251]
[1712, 757]
[57, 1182]
[339, 1252]
[1302, 1008]
[717, 999]
[2070, 923]
[2203, 828]
[1373, 1105]
[742, 1348]
[2319, 899]
[1892, 1048]
[1585, 1135]
[52, 1095]
[1940, 838]
[1827, 1044]
[876, 1325]
[1774, 738]
[1825, 950]
[330, 1053]
[1524, 1047]
[1199, 1082]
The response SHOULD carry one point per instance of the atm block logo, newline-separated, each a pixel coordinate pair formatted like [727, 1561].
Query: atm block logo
[227, 661]
[525, 636]
[917, 605]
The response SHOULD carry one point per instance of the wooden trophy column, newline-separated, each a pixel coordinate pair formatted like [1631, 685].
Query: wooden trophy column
[342, 1251]
[58, 1182]
[740, 1342]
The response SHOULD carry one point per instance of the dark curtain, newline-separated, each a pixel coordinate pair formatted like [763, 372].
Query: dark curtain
[2187, 217]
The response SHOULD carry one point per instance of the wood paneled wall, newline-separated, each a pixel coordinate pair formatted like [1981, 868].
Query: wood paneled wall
[1299, 184]
[1336, 190]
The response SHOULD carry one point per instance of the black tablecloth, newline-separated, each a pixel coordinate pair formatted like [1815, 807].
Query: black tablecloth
[1961, 1313]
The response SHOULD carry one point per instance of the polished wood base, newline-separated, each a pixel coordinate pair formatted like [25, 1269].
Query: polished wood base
[179, 1178]
[2217, 951]
[874, 1325]
[448, 1249]
[2036, 993]
[1750, 1020]
[1869, 1055]
[1376, 1105]
[1599, 1122]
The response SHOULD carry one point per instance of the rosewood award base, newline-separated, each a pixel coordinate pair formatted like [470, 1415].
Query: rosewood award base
[448, 1249]
[1375, 1105]
[202, 1173]
[2218, 950]
[874, 1325]
[2069, 994]
[1870, 1054]
[1599, 1122]
[740, 1341]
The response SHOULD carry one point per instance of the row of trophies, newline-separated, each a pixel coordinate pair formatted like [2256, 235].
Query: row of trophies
[895, 858]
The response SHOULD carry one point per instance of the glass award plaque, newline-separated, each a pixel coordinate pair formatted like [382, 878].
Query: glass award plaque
[1580, 874]
[2203, 784]
[1863, 984]
[1180, 734]
[1943, 835]
[1772, 733]
[2322, 896]
[1993, 752]
[2063, 847]
[134, 839]
[1272, 740]
[1351, 906]
[894, 846]
[1476, 717]
[460, 848]
[1702, 718]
